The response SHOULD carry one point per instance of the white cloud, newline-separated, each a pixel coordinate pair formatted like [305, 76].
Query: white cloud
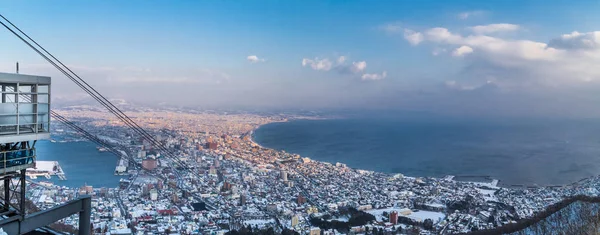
[461, 51]
[317, 64]
[576, 40]
[494, 28]
[568, 58]
[413, 37]
[358, 67]
[394, 27]
[254, 59]
[468, 14]
[341, 66]
[500, 48]
[373, 76]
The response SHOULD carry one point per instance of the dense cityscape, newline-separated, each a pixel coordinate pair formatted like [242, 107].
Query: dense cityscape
[299, 117]
[230, 183]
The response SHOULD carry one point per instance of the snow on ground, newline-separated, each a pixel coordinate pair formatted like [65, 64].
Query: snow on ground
[493, 184]
[341, 219]
[488, 194]
[47, 166]
[423, 215]
[259, 222]
[420, 215]
[378, 213]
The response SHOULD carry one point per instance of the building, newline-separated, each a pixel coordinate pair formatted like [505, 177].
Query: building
[283, 175]
[394, 217]
[216, 163]
[153, 195]
[211, 145]
[315, 231]
[120, 169]
[364, 207]
[226, 186]
[339, 164]
[301, 200]
[149, 164]
[212, 170]
[295, 220]
[272, 208]
[242, 200]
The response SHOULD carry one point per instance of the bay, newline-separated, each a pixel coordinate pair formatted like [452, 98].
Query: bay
[542, 152]
[82, 163]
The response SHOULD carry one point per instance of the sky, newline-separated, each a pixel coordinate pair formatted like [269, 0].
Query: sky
[459, 58]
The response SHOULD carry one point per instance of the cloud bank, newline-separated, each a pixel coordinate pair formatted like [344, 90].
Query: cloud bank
[562, 60]
[356, 68]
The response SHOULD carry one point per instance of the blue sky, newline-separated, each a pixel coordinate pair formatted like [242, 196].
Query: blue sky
[451, 57]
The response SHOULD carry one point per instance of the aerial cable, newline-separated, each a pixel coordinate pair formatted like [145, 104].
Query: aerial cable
[98, 97]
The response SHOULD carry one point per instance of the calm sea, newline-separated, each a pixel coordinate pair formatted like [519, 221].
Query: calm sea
[81, 162]
[543, 152]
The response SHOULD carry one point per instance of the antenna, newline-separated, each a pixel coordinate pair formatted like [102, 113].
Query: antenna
[17, 66]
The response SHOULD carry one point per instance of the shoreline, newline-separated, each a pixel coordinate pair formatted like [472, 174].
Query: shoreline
[488, 178]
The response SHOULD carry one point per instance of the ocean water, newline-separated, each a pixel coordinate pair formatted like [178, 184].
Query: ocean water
[542, 152]
[81, 162]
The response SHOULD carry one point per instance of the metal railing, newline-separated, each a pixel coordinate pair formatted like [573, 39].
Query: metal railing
[25, 128]
[17, 157]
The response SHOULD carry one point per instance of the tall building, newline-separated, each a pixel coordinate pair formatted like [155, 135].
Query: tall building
[25, 119]
[315, 231]
[217, 163]
[242, 199]
[394, 217]
[226, 186]
[294, 220]
[153, 195]
[283, 175]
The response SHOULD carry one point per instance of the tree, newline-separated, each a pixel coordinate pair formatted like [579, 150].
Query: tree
[428, 224]
[244, 230]
[289, 232]
[232, 232]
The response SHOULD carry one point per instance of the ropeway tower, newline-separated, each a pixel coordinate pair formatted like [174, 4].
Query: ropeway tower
[25, 119]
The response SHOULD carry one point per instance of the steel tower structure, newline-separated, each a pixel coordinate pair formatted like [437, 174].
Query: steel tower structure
[25, 119]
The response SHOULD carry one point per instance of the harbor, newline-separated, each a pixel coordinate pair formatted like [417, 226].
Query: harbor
[78, 166]
[46, 169]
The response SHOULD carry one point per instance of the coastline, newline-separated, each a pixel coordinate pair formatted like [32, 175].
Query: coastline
[488, 179]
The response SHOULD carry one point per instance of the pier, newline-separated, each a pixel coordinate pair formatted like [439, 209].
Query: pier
[46, 169]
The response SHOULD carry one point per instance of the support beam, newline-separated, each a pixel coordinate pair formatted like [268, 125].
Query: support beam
[6, 193]
[22, 196]
[81, 205]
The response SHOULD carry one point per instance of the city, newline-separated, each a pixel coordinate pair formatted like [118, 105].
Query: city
[231, 182]
[299, 117]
